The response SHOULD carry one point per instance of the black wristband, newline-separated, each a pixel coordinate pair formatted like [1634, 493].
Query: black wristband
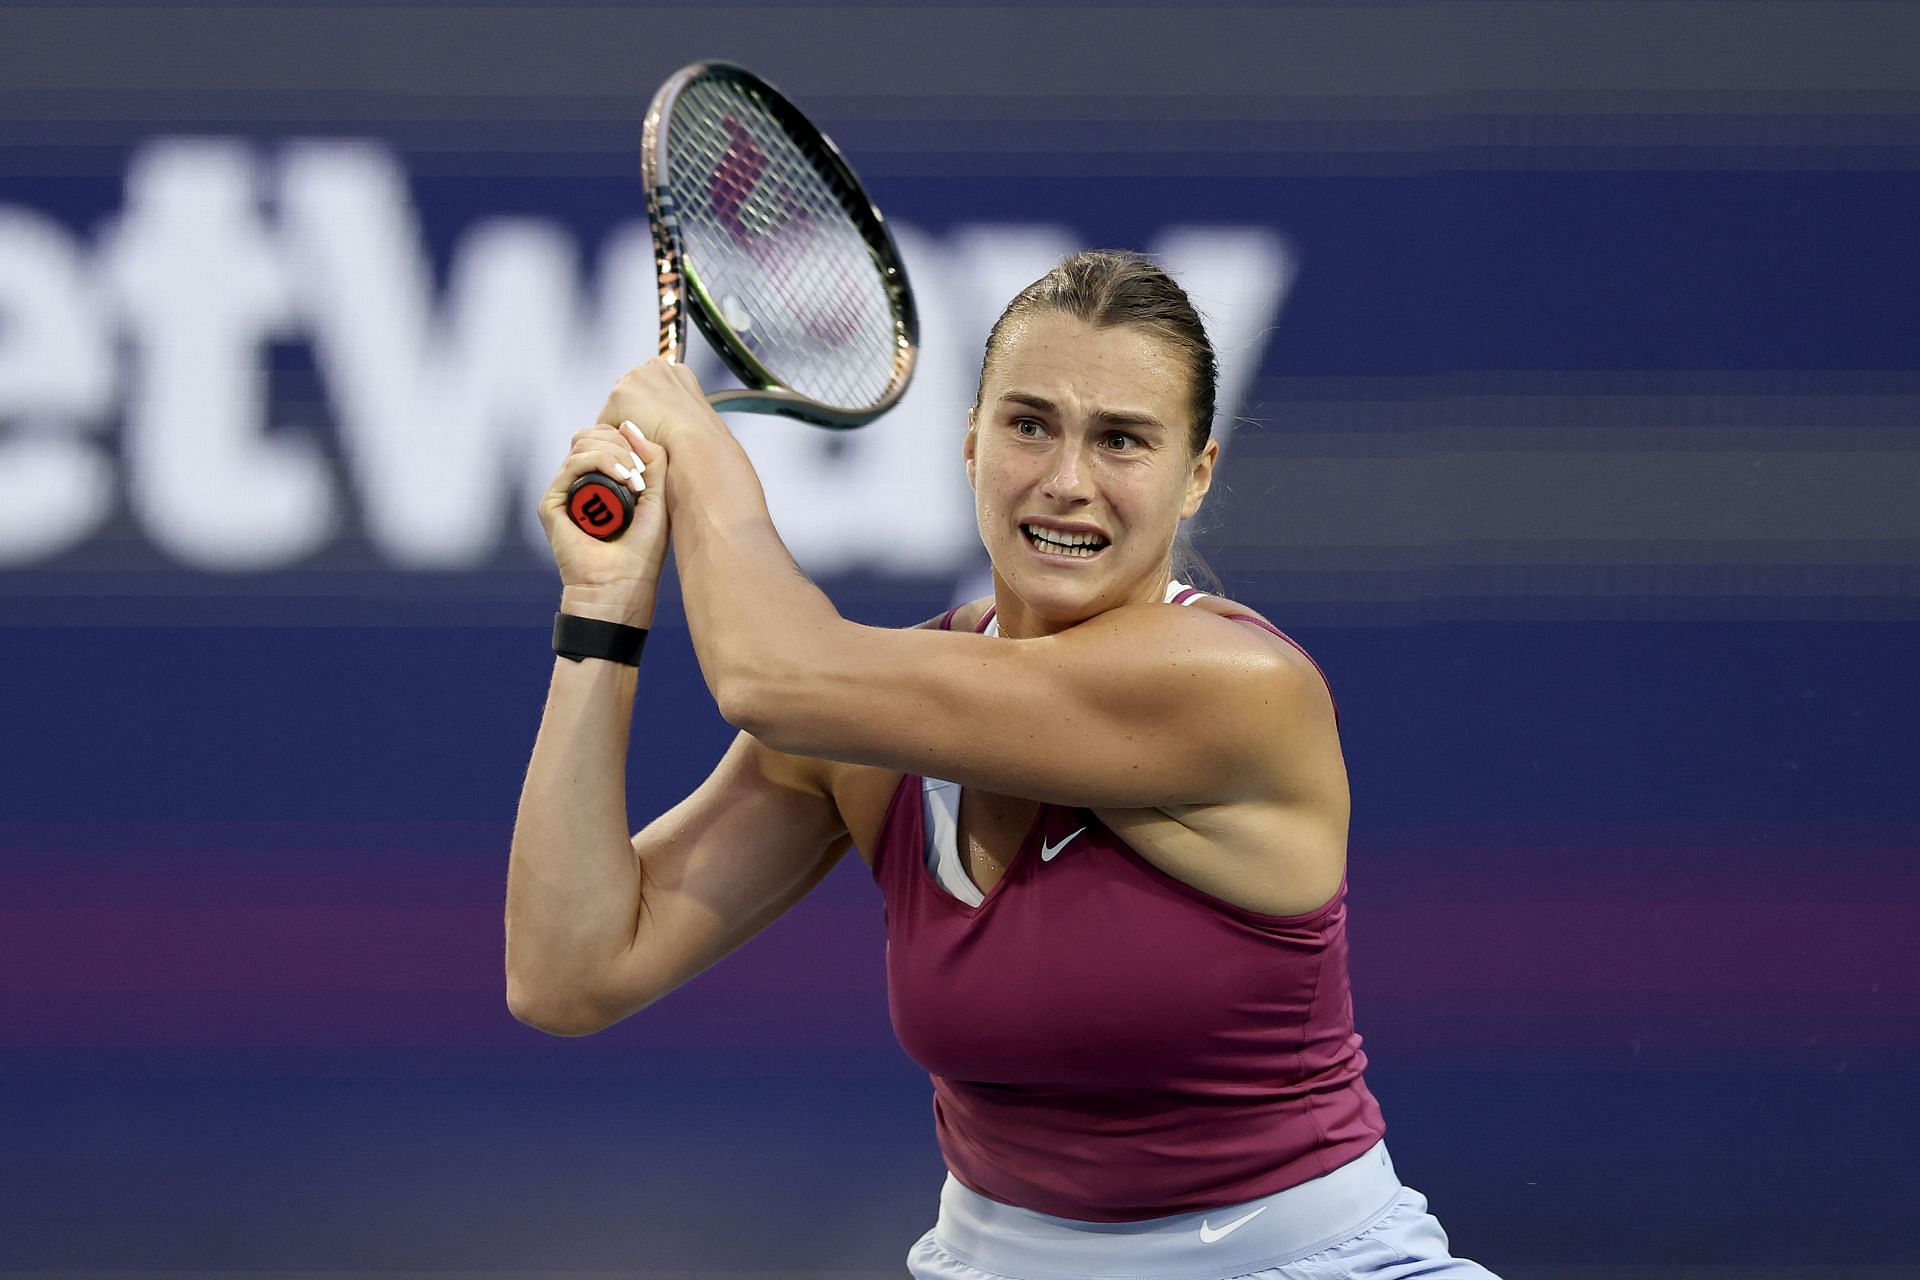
[576, 638]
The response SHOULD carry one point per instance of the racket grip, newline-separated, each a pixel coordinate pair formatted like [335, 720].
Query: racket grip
[600, 505]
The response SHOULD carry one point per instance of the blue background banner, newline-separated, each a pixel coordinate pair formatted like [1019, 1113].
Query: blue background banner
[1571, 421]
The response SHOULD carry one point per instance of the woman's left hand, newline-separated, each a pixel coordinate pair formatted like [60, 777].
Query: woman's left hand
[663, 400]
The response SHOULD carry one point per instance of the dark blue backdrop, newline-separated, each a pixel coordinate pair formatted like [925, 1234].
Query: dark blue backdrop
[1634, 767]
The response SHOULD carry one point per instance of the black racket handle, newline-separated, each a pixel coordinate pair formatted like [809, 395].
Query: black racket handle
[600, 505]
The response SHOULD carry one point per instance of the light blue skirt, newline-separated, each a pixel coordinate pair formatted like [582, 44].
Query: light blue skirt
[1356, 1223]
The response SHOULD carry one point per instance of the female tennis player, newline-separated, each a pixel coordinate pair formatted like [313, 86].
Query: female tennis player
[1107, 813]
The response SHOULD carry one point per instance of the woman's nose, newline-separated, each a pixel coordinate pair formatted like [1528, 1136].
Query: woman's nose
[1068, 477]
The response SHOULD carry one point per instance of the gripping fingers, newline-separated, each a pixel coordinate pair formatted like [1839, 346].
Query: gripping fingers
[610, 451]
[606, 450]
[600, 483]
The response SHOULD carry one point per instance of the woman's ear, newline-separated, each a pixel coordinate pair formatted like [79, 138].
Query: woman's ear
[966, 449]
[1200, 479]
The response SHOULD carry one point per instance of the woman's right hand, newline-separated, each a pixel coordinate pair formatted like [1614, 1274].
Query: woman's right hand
[630, 563]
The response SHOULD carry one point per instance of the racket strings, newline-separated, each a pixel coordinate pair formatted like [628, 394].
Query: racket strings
[782, 258]
[778, 212]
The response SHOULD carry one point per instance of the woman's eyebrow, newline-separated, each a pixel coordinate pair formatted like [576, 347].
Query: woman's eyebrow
[1105, 417]
[1031, 401]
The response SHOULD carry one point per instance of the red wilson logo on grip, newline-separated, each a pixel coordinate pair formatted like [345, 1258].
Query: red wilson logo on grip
[597, 509]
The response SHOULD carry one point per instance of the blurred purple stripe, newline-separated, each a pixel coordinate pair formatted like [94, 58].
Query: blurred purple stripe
[329, 842]
[1428, 1028]
[396, 863]
[1443, 946]
[169, 886]
[388, 939]
[240, 949]
[1631, 945]
[416, 1020]
[365, 947]
[1407, 860]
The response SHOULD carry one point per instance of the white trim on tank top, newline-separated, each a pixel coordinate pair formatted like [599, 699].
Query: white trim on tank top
[940, 807]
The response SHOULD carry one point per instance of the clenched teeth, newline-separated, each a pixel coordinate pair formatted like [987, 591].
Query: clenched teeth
[1060, 542]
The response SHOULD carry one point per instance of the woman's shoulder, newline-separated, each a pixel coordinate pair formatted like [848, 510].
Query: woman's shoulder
[1245, 614]
[1291, 650]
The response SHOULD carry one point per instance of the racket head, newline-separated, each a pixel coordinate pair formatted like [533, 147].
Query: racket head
[763, 234]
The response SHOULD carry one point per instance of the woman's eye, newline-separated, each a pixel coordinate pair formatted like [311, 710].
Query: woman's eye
[1121, 442]
[1028, 426]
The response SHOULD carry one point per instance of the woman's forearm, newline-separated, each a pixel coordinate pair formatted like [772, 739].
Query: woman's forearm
[573, 883]
[756, 620]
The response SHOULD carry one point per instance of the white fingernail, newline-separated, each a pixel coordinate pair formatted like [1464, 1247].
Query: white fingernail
[622, 472]
[637, 464]
[639, 484]
[637, 431]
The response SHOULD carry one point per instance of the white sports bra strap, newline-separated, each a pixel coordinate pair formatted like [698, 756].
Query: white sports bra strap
[1173, 589]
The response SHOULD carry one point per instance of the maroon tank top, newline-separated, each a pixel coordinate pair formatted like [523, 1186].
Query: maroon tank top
[1110, 1044]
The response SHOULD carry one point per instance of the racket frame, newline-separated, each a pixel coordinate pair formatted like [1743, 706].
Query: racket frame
[682, 292]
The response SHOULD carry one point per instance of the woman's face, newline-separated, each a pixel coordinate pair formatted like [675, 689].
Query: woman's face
[1078, 454]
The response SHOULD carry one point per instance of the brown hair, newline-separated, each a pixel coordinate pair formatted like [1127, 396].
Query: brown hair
[1109, 287]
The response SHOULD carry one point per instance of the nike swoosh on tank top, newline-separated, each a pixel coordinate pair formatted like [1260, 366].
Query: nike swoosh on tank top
[1109, 1044]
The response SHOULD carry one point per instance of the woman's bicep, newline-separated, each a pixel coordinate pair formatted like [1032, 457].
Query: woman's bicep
[723, 864]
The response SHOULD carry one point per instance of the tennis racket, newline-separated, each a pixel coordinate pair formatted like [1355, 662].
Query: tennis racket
[762, 233]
